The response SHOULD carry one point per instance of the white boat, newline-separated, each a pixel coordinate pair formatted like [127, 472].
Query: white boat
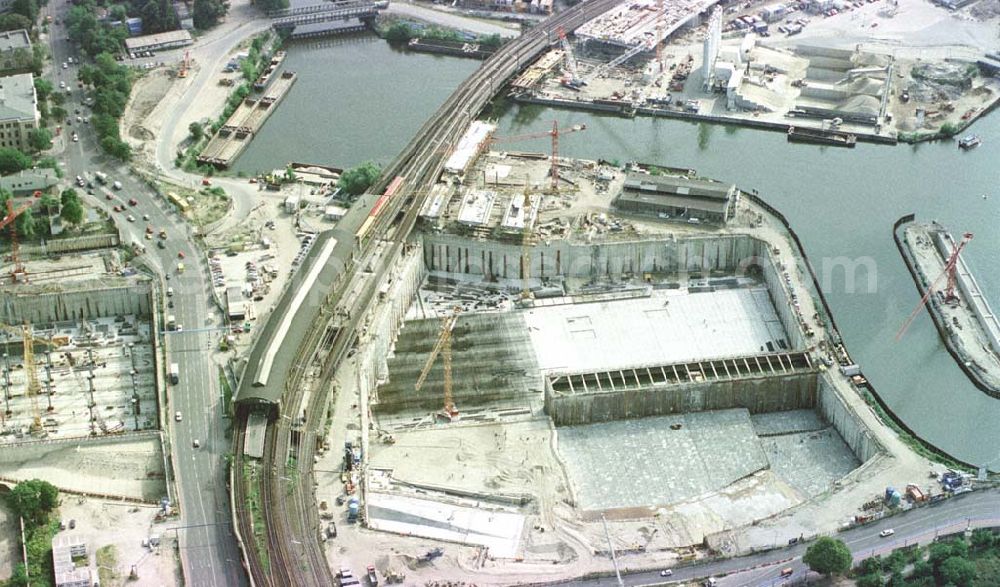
[969, 142]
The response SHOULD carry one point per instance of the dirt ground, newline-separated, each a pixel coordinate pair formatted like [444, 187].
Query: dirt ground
[147, 93]
[124, 526]
[10, 547]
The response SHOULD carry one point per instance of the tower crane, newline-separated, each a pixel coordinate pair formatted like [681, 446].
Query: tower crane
[30, 369]
[442, 347]
[554, 134]
[950, 267]
[18, 271]
[660, 15]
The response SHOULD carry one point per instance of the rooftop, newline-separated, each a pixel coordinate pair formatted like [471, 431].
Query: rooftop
[17, 97]
[476, 207]
[682, 186]
[668, 326]
[179, 37]
[13, 40]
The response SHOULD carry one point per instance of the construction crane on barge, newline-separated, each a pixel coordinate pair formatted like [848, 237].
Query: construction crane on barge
[950, 268]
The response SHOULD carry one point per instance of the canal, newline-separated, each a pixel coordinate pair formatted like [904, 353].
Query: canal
[358, 99]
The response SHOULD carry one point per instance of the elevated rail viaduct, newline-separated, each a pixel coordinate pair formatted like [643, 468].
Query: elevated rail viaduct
[315, 323]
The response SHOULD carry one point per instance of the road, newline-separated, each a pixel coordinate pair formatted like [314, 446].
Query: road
[208, 547]
[451, 19]
[977, 509]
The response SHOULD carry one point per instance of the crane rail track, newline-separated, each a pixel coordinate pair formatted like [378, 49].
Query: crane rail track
[291, 517]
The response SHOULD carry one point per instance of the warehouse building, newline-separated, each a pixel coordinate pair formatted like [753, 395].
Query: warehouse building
[159, 41]
[678, 198]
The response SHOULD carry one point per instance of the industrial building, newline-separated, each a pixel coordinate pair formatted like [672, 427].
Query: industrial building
[690, 200]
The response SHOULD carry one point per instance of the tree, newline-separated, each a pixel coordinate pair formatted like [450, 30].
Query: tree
[982, 538]
[269, 5]
[26, 8]
[12, 161]
[197, 131]
[870, 565]
[13, 22]
[25, 224]
[356, 180]
[49, 203]
[958, 571]
[399, 33]
[116, 148]
[828, 556]
[33, 499]
[43, 88]
[871, 580]
[72, 212]
[39, 139]
[206, 13]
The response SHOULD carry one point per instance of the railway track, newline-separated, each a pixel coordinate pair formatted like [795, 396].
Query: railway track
[295, 557]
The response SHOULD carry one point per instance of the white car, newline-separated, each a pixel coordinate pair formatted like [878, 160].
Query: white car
[886, 532]
[130, 218]
[76, 139]
[666, 573]
[62, 84]
[65, 65]
[178, 417]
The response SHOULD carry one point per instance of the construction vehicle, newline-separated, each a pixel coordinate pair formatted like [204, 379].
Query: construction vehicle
[442, 347]
[554, 134]
[372, 576]
[18, 272]
[950, 268]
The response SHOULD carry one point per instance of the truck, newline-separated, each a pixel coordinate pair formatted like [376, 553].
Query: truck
[353, 508]
[101, 177]
[171, 322]
[175, 373]
[372, 576]
[346, 577]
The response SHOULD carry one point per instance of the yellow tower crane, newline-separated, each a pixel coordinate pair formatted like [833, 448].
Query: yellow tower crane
[30, 369]
[442, 347]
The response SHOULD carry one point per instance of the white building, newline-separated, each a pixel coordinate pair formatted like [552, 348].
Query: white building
[18, 110]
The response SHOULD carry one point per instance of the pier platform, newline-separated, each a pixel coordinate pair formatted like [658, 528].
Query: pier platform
[234, 136]
[969, 327]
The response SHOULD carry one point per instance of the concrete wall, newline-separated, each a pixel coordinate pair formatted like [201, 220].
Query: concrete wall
[457, 254]
[69, 245]
[833, 410]
[760, 395]
[43, 304]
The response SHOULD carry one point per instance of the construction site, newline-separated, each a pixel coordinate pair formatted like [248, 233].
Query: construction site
[954, 299]
[763, 67]
[579, 356]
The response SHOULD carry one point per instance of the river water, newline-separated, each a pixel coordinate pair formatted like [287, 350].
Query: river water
[358, 99]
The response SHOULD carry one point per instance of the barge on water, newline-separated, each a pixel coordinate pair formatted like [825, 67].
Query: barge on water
[818, 136]
[969, 142]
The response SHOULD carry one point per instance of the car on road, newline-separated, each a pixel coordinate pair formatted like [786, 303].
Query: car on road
[666, 572]
[65, 65]
[108, 197]
[117, 208]
[161, 244]
[887, 532]
[62, 84]
[180, 254]
[133, 202]
[79, 118]
[130, 218]
[76, 138]
[195, 443]
[145, 217]
[178, 417]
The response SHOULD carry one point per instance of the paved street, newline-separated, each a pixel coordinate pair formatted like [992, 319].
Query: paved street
[207, 544]
[979, 509]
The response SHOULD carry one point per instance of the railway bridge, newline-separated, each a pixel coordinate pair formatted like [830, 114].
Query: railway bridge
[289, 18]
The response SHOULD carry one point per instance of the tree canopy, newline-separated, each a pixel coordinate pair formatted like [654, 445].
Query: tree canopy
[12, 161]
[828, 556]
[33, 500]
[207, 13]
[356, 180]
